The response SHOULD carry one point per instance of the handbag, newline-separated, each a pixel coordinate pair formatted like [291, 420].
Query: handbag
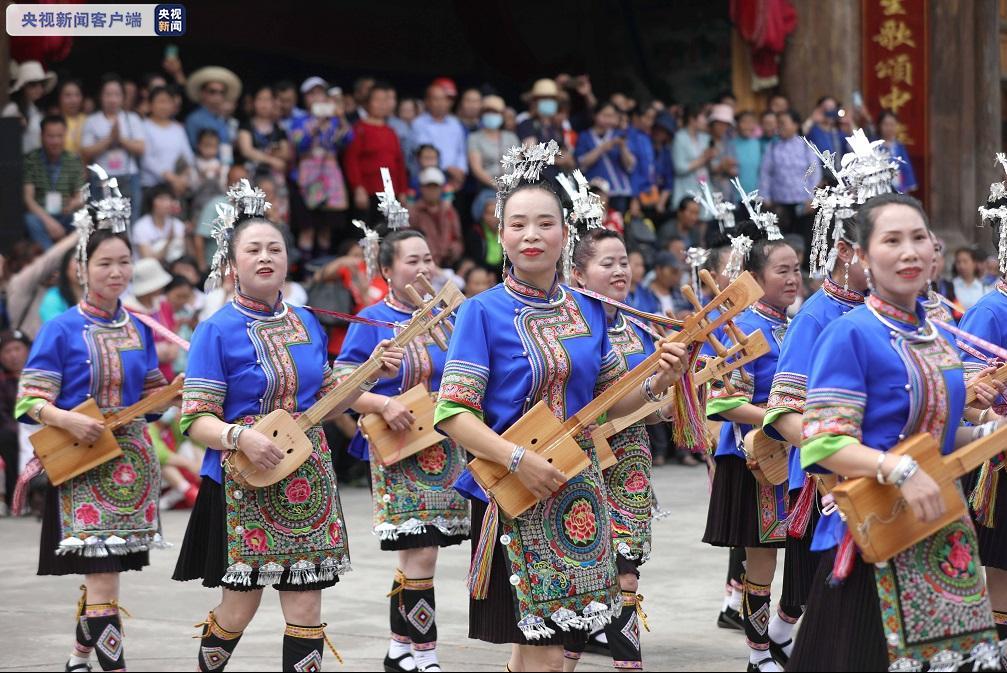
[330, 296]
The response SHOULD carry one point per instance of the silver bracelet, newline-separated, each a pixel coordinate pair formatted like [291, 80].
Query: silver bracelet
[36, 411]
[881, 461]
[903, 470]
[367, 386]
[984, 414]
[225, 436]
[236, 435]
[985, 429]
[913, 467]
[515, 458]
[648, 390]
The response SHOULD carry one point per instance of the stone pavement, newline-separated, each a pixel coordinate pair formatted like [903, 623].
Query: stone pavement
[683, 585]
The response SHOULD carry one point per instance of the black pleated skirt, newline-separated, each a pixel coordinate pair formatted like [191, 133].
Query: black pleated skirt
[49, 563]
[842, 629]
[799, 562]
[204, 550]
[733, 517]
[494, 619]
[431, 537]
[992, 541]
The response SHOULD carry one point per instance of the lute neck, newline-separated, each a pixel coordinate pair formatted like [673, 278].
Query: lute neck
[974, 454]
[153, 402]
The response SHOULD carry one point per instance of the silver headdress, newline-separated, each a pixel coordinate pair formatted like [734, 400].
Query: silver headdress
[741, 246]
[522, 164]
[767, 221]
[869, 169]
[588, 213]
[998, 191]
[110, 212]
[697, 257]
[371, 244]
[395, 213]
[244, 202]
[833, 205]
[714, 203]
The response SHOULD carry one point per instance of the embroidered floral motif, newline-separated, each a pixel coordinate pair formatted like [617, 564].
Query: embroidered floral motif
[257, 539]
[203, 397]
[124, 475]
[87, 514]
[298, 491]
[933, 597]
[464, 383]
[842, 294]
[433, 459]
[579, 522]
[628, 488]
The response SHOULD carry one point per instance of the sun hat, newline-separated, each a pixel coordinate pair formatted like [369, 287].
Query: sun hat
[149, 276]
[213, 73]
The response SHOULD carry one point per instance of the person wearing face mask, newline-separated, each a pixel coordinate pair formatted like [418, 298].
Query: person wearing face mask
[537, 585]
[743, 513]
[255, 355]
[103, 522]
[423, 512]
[486, 146]
[880, 374]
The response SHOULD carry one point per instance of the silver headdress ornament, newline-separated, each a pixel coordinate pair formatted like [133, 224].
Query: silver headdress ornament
[243, 202]
[395, 213]
[998, 190]
[522, 164]
[833, 206]
[111, 212]
[741, 246]
[869, 169]
[767, 221]
[714, 203]
[371, 243]
[697, 257]
[588, 213]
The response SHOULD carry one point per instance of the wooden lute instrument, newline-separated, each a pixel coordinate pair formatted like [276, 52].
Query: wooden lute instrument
[64, 456]
[754, 347]
[879, 519]
[540, 431]
[290, 434]
[1000, 374]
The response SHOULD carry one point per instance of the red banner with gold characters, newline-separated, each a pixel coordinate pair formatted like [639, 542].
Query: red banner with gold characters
[895, 50]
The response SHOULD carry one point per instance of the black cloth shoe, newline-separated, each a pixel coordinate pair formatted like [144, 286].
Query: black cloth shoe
[596, 646]
[757, 667]
[77, 667]
[730, 619]
[776, 649]
[395, 665]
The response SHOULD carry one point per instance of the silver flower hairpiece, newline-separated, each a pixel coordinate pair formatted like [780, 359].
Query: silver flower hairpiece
[696, 258]
[998, 190]
[741, 246]
[371, 243]
[521, 164]
[869, 169]
[394, 212]
[587, 213]
[715, 204]
[243, 201]
[767, 221]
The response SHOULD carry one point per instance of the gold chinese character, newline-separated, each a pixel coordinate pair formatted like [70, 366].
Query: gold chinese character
[898, 68]
[894, 34]
[895, 99]
[892, 7]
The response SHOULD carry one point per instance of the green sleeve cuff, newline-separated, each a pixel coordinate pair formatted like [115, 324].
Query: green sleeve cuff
[773, 415]
[821, 447]
[718, 405]
[23, 406]
[445, 410]
[185, 421]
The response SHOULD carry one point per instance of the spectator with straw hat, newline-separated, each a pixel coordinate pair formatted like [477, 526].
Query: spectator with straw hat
[212, 88]
[32, 82]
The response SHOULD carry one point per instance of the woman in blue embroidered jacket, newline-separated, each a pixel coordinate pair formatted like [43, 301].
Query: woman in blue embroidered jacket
[879, 374]
[416, 508]
[784, 414]
[102, 522]
[743, 512]
[526, 340]
[601, 264]
[255, 355]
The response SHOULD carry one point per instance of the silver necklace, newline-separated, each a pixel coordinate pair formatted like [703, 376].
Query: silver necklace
[915, 336]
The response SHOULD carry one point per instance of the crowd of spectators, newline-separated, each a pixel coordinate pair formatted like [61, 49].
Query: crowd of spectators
[175, 141]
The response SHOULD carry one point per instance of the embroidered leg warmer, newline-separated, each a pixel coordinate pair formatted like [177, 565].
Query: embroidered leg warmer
[303, 646]
[216, 645]
[623, 633]
[757, 615]
[419, 608]
[101, 621]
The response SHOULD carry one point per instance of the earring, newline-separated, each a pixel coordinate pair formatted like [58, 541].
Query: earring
[846, 280]
[870, 280]
[503, 268]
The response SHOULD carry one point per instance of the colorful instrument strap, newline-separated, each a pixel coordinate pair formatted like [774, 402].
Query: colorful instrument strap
[348, 317]
[157, 327]
[652, 317]
[978, 341]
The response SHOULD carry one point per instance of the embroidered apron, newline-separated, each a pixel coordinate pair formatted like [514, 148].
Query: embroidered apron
[296, 524]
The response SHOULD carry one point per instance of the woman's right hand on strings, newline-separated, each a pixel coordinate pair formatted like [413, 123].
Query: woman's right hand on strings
[263, 453]
[923, 495]
[391, 358]
[539, 475]
[83, 428]
[397, 416]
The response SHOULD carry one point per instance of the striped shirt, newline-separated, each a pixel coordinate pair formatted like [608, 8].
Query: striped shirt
[65, 176]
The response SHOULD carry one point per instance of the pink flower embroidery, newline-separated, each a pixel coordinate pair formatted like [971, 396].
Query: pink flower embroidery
[433, 459]
[88, 515]
[335, 534]
[298, 491]
[256, 539]
[960, 556]
[636, 482]
[580, 523]
[150, 515]
[124, 475]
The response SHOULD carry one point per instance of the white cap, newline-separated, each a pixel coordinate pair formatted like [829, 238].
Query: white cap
[431, 175]
[310, 83]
